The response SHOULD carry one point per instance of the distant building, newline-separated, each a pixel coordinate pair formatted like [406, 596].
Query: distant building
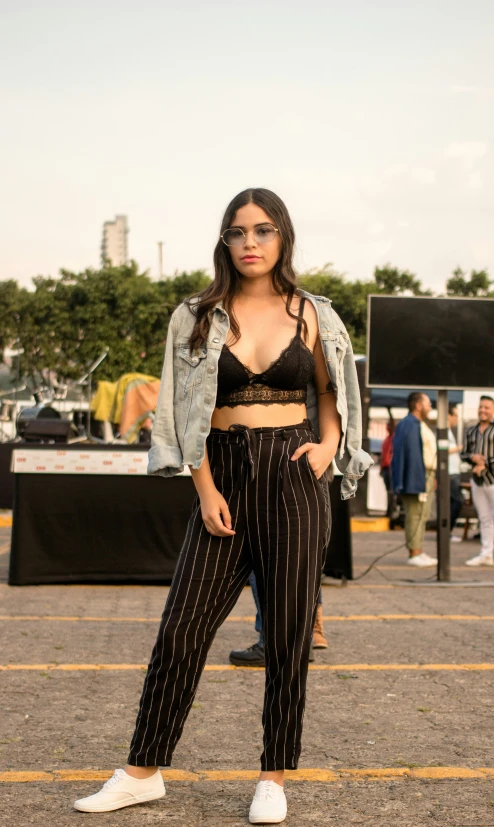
[114, 242]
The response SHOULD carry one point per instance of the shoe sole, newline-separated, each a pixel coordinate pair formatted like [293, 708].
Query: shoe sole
[141, 799]
[272, 820]
[320, 646]
[243, 663]
[475, 565]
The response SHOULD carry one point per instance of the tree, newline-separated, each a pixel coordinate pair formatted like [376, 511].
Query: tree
[10, 294]
[477, 285]
[66, 323]
[350, 298]
[394, 282]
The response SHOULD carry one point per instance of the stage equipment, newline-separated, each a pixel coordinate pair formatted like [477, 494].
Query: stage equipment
[42, 424]
[87, 380]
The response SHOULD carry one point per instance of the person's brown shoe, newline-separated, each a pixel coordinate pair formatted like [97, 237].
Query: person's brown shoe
[318, 639]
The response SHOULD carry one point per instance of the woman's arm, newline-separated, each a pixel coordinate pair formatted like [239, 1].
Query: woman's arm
[214, 508]
[322, 454]
[329, 418]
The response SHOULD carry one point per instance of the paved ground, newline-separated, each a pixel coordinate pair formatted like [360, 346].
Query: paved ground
[398, 727]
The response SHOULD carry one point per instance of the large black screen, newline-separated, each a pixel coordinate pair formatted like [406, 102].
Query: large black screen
[430, 343]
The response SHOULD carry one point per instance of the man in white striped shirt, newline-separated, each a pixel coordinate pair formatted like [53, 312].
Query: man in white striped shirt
[479, 452]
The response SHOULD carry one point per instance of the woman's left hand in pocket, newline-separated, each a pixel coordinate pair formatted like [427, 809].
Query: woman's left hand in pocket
[319, 456]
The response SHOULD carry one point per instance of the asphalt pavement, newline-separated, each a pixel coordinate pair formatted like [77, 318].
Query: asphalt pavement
[398, 728]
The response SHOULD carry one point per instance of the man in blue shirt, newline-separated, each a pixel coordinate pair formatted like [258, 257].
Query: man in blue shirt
[413, 473]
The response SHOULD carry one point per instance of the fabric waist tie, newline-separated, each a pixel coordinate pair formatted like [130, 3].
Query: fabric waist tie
[248, 455]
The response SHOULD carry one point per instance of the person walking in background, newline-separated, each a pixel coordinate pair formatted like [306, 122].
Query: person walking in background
[254, 655]
[479, 452]
[386, 456]
[456, 499]
[413, 471]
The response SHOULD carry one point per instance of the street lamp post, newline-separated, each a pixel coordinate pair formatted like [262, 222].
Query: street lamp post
[160, 258]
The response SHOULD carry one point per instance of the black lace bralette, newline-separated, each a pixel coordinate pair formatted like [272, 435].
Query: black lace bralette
[283, 382]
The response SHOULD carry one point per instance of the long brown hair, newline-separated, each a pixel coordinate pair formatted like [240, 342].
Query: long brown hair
[227, 278]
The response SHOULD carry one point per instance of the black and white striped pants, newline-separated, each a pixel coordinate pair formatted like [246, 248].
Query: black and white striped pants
[281, 515]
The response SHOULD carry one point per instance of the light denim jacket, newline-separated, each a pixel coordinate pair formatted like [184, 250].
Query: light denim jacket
[188, 393]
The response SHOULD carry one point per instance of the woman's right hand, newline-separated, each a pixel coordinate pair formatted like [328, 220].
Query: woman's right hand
[216, 514]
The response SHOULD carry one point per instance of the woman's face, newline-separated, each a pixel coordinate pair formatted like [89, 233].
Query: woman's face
[253, 257]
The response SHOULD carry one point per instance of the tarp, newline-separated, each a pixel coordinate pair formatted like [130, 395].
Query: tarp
[103, 399]
[127, 402]
[397, 397]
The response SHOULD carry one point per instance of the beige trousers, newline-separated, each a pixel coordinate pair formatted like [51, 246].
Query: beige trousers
[417, 513]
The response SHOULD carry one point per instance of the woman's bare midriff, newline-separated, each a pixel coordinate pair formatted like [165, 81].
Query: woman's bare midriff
[258, 416]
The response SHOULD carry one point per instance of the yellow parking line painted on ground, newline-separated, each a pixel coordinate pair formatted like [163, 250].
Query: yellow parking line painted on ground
[83, 586]
[89, 619]
[247, 618]
[337, 618]
[314, 775]
[5, 520]
[366, 524]
[46, 586]
[405, 567]
[227, 667]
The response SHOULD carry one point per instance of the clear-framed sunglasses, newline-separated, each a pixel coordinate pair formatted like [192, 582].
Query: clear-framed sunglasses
[234, 236]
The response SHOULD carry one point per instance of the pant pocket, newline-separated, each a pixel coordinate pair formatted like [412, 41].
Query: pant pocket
[322, 484]
[306, 455]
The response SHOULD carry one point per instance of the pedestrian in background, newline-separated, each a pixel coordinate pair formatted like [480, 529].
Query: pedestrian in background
[479, 452]
[386, 456]
[255, 655]
[454, 461]
[413, 471]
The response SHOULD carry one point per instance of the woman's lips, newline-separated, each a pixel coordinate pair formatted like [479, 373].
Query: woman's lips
[251, 258]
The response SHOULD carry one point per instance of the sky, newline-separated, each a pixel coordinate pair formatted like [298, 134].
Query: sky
[374, 122]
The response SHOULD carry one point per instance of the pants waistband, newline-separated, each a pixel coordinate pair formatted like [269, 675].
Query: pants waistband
[262, 430]
[249, 454]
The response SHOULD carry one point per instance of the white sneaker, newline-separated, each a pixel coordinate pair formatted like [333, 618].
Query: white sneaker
[480, 560]
[422, 560]
[122, 790]
[455, 539]
[269, 804]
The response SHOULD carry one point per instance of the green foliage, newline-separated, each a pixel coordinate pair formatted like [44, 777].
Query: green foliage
[350, 298]
[65, 323]
[10, 297]
[393, 282]
[477, 285]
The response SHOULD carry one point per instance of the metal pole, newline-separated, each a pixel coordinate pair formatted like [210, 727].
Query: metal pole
[88, 415]
[443, 491]
[160, 259]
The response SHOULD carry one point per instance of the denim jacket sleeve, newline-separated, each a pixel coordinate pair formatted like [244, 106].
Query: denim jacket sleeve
[350, 458]
[165, 456]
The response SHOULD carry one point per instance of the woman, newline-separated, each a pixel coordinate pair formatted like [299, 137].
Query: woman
[241, 358]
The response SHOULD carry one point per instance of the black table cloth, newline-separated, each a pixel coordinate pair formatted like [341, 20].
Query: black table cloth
[87, 528]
